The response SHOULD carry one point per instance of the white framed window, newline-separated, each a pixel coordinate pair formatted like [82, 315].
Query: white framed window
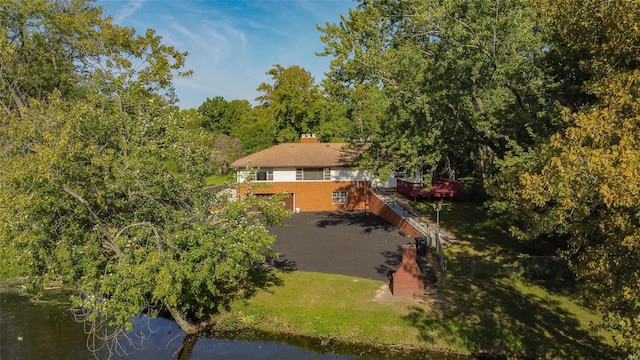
[339, 197]
[313, 174]
[264, 175]
[400, 174]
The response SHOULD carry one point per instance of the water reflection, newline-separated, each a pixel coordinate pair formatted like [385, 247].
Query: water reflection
[47, 331]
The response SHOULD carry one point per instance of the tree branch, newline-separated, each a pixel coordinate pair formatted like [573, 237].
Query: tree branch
[108, 244]
[144, 223]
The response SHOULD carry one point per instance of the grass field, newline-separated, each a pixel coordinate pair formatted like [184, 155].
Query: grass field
[496, 316]
[505, 314]
[215, 180]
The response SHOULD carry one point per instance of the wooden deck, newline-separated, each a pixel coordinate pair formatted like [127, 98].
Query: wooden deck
[440, 189]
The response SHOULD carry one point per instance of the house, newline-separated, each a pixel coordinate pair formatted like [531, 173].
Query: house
[317, 176]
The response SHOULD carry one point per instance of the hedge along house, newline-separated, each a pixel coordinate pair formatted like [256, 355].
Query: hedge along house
[317, 176]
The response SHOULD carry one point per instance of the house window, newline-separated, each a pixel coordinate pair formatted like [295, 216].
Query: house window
[339, 197]
[400, 175]
[264, 175]
[327, 174]
[314, 174]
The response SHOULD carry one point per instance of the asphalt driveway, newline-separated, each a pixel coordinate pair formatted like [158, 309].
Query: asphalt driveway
[349, 243]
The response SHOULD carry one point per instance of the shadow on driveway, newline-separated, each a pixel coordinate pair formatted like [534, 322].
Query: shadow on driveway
[351, 243]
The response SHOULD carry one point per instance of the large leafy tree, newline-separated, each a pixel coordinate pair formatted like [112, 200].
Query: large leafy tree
[460, 78]
[293, 101]
[85, 201]
[581, 187]
[256, 130]
[221, 116]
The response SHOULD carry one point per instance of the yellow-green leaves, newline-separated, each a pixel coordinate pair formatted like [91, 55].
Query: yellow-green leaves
[583, 184]
[85, 197]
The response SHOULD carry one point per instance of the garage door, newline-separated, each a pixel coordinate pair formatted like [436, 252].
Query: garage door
[287, 202]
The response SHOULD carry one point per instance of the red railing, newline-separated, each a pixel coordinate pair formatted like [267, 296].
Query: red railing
[440, 189]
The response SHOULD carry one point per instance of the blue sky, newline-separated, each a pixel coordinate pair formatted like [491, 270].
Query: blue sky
[233, 43]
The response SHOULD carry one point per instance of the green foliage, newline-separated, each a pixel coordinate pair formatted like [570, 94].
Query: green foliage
[293, 102]
[479, 86]
[580, 186]
[256, 130]
[220, 116]
[69, 47]
[460, 79]
[84, 199]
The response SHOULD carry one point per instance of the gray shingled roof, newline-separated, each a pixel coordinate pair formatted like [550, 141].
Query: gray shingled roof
[301, 155]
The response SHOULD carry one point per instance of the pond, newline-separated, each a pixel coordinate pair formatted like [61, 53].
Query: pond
[38, 330]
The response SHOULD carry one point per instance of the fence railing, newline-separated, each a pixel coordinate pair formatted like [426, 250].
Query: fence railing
[432, 236]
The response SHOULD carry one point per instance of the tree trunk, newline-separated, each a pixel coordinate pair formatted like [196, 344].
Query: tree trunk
[186, 349]
[187, 326]
[486, 162]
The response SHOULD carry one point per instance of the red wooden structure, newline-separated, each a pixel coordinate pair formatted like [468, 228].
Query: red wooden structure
[440, 189]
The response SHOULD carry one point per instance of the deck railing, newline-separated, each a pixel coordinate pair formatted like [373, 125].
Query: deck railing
[432, 236]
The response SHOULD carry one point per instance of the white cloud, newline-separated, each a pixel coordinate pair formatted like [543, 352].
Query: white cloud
[232, 44]
[129, 10]
[183, 30]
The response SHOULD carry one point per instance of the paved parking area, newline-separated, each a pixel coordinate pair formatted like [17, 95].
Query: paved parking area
[349, 243]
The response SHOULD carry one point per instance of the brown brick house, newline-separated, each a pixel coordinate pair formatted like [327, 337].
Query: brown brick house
[318, 176]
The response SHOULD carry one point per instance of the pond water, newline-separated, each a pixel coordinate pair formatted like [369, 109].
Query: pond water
[47, 330]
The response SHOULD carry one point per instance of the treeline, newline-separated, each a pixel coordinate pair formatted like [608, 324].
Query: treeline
[291, 104]
[537, 100]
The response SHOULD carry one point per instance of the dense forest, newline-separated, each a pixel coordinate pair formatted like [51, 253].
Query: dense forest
[537, 101]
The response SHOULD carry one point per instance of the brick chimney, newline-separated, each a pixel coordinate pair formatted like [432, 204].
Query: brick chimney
[407, 280]
[308, 138]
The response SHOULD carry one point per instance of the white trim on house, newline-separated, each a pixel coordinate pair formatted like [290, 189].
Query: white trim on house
[391, 182]
[349, 174]
[336, 174]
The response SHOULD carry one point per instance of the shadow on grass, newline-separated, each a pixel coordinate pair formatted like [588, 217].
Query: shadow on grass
[486, 248]
[494, 317]
[469, 223]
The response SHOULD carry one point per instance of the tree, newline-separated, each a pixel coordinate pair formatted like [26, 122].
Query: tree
[26, 55]
[222, 116]
[293, 101]
[85, 201]
[225, 151]
[580, 187]
[460, 77]
[67, 46]
[213, 112]
[256, 130]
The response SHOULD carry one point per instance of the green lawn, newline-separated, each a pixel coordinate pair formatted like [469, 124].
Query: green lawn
[326, 305]
[501, 312]
[215, 180]
[507, 316]
[329, 307]
[212, 180]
